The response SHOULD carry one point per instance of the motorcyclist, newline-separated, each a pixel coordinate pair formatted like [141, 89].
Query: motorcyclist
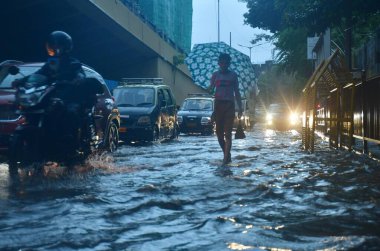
[66, 72]
[60, 66]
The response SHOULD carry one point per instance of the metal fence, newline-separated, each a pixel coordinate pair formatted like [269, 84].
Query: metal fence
[342, 106]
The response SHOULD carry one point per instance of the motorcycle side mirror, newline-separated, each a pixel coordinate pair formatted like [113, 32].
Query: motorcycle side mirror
[14, 70]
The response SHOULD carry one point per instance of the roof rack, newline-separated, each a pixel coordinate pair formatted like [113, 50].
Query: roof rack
[206, 95]
[11, 62]
[142, 81]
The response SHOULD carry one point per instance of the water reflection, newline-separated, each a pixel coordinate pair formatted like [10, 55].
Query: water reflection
[177, 195]
[269, 134]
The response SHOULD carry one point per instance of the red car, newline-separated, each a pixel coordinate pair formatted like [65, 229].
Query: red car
[105, 107]
[9, 120]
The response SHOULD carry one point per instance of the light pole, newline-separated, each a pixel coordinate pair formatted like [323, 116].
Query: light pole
[218, 24]
[250, 48]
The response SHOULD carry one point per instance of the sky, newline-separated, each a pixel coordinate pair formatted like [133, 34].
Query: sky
[205, 27]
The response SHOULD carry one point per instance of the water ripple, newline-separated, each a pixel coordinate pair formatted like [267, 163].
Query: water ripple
[177, 195]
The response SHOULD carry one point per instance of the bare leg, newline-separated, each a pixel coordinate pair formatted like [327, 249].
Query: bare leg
[227, 145]
[220, 135]
[224, 120]
[227, 151]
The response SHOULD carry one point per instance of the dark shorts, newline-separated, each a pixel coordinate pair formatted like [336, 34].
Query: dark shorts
[224, 115]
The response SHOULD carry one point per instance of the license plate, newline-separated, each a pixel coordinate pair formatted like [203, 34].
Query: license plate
[192, 124]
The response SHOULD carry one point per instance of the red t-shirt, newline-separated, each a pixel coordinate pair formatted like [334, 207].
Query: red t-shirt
[227, 86]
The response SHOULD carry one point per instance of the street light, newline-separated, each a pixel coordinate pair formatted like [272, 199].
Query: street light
[218, 24]
[250, 48]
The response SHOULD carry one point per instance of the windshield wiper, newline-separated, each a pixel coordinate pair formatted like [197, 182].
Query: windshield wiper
[144, 104]
[125, 105]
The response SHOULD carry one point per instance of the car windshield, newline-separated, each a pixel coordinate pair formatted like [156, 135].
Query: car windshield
[197, 104]
[277, 108]
[134, 97]
[6, 79]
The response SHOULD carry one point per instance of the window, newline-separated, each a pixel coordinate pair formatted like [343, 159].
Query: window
[168, 97]
[134, 97]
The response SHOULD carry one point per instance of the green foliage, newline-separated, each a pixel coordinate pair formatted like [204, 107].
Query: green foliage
[178, 59]
[263, 14]
[261, 37]
[278, 86]
[315, 16]
[292, 21]
[292, 56]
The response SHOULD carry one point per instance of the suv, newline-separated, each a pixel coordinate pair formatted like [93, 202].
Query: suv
[195, 114]
[106, 112]
[280, 116]
[148, 110]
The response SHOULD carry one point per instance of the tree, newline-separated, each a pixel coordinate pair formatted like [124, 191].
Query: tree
[277, 86]
[315, 16]
[292, 21]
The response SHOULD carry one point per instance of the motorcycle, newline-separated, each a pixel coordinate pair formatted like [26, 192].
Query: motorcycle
[54, 129]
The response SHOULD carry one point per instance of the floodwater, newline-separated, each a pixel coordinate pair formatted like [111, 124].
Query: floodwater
[177, 196]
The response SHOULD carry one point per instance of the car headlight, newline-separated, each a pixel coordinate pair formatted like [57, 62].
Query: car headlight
[269, 118]
[143, 120]
[179, 119]
[293, 118]
[205, 120]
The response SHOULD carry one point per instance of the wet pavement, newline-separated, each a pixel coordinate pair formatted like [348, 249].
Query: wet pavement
[177, 196]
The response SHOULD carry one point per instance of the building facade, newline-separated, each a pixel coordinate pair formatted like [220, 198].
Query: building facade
[172, 19]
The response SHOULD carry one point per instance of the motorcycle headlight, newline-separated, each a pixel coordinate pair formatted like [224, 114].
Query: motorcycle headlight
[205, 120]
[179, 119]
[30, 99]
[143, 120]
[31, 96]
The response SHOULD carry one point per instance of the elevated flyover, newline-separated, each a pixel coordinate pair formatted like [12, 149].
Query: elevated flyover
[106, 34]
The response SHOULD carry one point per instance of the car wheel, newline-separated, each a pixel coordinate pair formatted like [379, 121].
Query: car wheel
[155, 134]
[21, 153]
[16, 150]
[112, 138]
[175, 132]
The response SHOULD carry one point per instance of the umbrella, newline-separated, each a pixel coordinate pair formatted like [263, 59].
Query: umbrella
[202, 61]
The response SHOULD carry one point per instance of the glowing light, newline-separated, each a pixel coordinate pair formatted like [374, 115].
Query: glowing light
[293, 118]
[237, 246]
[269, 118]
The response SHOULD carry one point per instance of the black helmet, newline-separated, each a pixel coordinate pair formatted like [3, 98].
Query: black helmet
[59, 43]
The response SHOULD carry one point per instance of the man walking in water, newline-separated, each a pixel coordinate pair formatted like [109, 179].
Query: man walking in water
[226, 86]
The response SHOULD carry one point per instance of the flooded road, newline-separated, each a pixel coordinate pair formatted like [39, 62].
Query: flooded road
[177, 196]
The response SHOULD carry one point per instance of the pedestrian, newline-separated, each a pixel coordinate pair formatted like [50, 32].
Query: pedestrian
[225, 82]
